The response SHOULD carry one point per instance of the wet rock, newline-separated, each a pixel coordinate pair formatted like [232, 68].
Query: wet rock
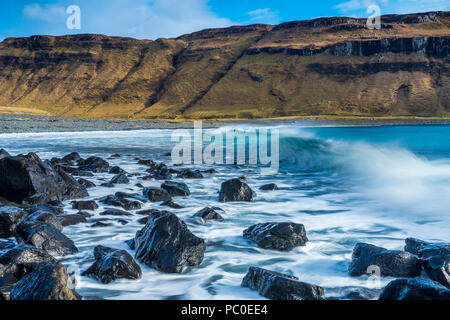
[111, 264]
[143, 220]
[207, 214]
[278, 286]
[72, 157]
[139, 185]
[414, 289]
[124, 195]
[235, 190]
[120, 179]
[277, 236]
[29, 180]
[85, 205]
[94, 164]
[56, 210]
[130, 243]
[176, 189]
[4, 154]
[84, 214]
[82, 173]
[209, 171]
[117, 170]
[121, 202]
[190, 174]
[100, 224]
[43, 216]
[270, 186]
[48, 281]
[71, 219]
[147, 212]
[166, 244]
[115, 212]
[171, 204]
[25, 253]
[46, 237]
[156, 194]
[149, 163]
[434, 257]
[86, 183]
[9, 218]
[391, 263]
[107, 185]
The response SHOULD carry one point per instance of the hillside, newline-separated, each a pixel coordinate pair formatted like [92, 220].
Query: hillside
[326, 66]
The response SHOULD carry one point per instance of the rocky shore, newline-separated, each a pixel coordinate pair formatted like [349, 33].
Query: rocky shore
[32, 221]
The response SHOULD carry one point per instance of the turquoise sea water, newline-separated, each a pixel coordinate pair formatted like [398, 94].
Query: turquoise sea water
[345, 184]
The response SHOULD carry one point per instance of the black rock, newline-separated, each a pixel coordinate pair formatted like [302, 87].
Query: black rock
[47, 281]
[149, 163]
[111, 264]
[278, 286]
[171, 204]
[72, 157]
[391, 263]
[9, 218]
[94, 164]
[85, 205]
[121, 202]
[84, 214]
[86, 183]
[176, 189]
[115, 212]
[123, 195]
[166, 244]
[156, 194]
[235, 190]
[71, 219]
[434, 257]
[161, 174]
[190, 174]
[29, 180]
[43, 216]
[25, 253]
[100, 224]
[116, 170]
[56, 210]
[107, 185]
[209, 171]
[414, 289]
[120, 179]
[147, 212]
[277, 236]
[4, 154]
[130, 243]
[46, 237]
[208, 214]
[270, 186]
[143, 220]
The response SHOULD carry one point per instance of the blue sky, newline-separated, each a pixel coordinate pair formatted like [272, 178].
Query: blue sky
[151, 19]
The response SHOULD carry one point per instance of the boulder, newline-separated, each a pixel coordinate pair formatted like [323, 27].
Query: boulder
[71, 219]
[124, 195]
[115, 212]
[4, 154]
[277, 236]
[120, 179]
[126, 204]
[47, 281]
[25, 253]
[176, 189]
[100, 224]
[85, 205]
[46, 237]
[156, 194]
[392, 263]
[235, 190]
[414, 289]
[171, 204]
[111, 264]
[94, 164]
[43, 216]
[116, 170]
[278, 286]
[147, 212]
[270, 186]
[9, 218]
[86, 183]
[208, 214]
[55, 209]
[28, 180]
[190, 174]
[166, 244]
[72, 157]
[434, 257]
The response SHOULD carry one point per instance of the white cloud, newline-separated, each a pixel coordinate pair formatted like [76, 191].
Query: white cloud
[265, 15]
[358, 7]
[46, 13]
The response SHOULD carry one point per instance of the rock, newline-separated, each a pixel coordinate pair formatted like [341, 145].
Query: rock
[123, 195]
[46, 237]
[72, 157]
[278, 286]
[82, 173]
[414, 289]
[56, 210]
[176, 189]
[100, 224]
[171, 204]
[434, 257]
[120, 179]
[115, 212]
[190, 174]
[107, 185]
[209, 171]
[130, 243]
[111, 264]
[28, 180]
[25, 253]
[116, 170]
[270, 186]
[277, 236]
[43, 216]
[85, 205]
[48, 281]
[94, 164]
[235, 190]
[149, 163]
[156, 194]
[143, 220]
[121, 202]
[147, 212]
[86, 183]
[208, 214]
[71, 219]
[84, 214]
[9, 218]
[166, 244]
[139, 185]
[4, 154]
[391, 263]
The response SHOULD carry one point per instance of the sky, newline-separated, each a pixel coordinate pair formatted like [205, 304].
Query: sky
[152, 19]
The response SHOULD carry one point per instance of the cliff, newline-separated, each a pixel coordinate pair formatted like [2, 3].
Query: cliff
[326, 66]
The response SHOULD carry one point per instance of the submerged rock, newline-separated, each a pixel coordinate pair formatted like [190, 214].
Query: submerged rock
[120, 179]
[156, 194]
[115, 212]
[277, 236]
[270, 186]
[71, 219]
[116, 170]
[414, 289]
[171, 204]
[111, 264]
[176, 189]
[235, 190]
[166, 244]
[208, 214]
[391, 263]
[278, 286]
[190, 174]
[434, 257]
[85, 205]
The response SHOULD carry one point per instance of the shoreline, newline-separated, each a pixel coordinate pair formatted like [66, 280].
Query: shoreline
[25, 123]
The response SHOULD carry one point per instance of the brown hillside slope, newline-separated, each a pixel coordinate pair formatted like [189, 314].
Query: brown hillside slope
[326, 66]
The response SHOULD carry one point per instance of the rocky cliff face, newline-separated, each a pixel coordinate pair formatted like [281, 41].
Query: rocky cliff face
[326, 66]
